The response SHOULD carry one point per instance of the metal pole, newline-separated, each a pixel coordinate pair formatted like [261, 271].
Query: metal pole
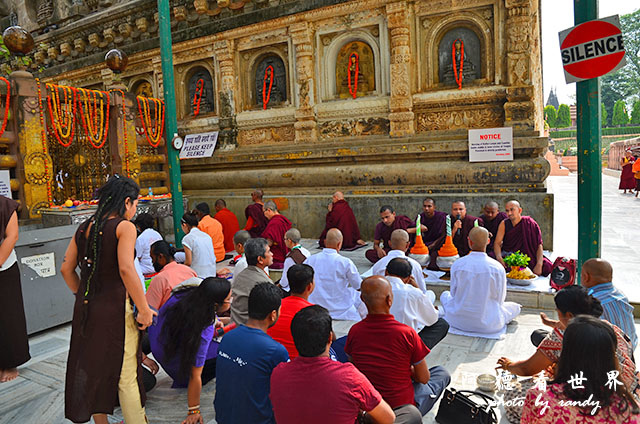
[171, 123]
[589, 156]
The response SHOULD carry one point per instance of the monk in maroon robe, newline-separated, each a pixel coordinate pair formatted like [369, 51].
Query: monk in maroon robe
[462, 224]
[277, 226]
[521, 233]
[256, 221]
[492, 217]
[341, 216]
[382, 235]
[434, 220]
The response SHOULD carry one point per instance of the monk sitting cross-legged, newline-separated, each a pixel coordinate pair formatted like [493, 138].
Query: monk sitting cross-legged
[492, 217]
[521, 233]
[277, 226]
[341, 216]
[256, 221]
[382, 235]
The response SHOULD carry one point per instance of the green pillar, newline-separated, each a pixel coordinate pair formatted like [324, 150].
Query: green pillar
[589, 158]
[171, 122]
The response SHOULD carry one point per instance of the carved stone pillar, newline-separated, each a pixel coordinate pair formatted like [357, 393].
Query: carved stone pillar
[523, 64]
[305, 124]
[227, 121]
[400, 104]
[156, 64]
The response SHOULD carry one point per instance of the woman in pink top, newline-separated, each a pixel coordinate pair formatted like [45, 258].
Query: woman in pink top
[585, 388]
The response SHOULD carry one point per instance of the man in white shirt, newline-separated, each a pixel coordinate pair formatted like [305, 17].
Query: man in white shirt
[476, 304]
[337, 280]
[412, 307]
[399, 244]
[297, 254]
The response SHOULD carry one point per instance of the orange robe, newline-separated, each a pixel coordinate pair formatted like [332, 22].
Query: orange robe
[230, 227]
[214, 229]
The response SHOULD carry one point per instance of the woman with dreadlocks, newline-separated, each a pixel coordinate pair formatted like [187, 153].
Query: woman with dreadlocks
[104, 357]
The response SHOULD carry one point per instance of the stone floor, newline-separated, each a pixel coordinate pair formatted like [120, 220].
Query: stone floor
[37, 395]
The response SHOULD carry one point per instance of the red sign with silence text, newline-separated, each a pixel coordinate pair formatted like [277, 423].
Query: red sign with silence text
[592, 49]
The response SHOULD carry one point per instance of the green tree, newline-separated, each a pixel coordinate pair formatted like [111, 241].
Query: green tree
[603, 115]
[635, 113]
[620, 116]
[624, 83]
[550, 116]
[564, 117]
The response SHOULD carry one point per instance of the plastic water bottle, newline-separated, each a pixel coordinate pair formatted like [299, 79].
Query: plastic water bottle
[150, 193]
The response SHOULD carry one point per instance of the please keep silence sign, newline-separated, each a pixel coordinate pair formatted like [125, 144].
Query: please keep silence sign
[491, 144]
[199, 145]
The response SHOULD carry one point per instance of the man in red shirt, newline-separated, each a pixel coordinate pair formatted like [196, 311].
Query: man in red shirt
[301, 283]
[313, 389]
[391, 354]
[229, 223]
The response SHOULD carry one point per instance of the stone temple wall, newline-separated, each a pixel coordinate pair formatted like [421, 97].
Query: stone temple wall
[394, 136]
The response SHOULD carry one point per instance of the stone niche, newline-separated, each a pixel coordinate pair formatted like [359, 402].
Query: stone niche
[353, 81]
[197, 81]
[142, 86]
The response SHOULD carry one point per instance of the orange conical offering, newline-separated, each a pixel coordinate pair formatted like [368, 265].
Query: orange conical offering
[419, 248]
[448, 249]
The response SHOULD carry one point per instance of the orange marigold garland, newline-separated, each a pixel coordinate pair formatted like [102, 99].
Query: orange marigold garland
[89, 111]
[453, 59]
[124, 130]
[6, 106]
[266, 94]
[197, 97]
[62, 130]
[353, 90]
[43, 135]
[145, 116]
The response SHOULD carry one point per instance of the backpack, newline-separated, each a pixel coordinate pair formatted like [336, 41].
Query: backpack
[563, 273]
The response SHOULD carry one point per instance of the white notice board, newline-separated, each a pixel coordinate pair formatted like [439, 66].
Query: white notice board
[199, 145]
[491, 144]
[5, 184]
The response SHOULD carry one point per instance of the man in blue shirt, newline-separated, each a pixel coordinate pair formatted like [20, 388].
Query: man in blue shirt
[596, 277]
[246, 358]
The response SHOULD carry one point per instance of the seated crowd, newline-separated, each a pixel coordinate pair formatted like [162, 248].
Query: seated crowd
[271, 348]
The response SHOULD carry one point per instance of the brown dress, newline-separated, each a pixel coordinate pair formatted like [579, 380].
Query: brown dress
[97, 332]
[14, 343]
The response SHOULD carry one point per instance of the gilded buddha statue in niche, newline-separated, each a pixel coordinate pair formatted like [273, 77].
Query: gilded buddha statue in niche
[355, 70]
[144, 89]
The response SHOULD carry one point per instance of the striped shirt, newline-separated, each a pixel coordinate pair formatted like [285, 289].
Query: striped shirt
[617, 309]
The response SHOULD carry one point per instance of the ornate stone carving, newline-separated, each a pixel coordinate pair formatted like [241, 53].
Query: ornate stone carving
[262, 136]
[481, 117]
[354, 127]
[271, 73]
[305, 126]
[459, 39]
[207, 100]
[45, 11]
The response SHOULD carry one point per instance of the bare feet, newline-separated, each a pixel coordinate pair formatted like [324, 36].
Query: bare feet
[361, 242]
[8, 375]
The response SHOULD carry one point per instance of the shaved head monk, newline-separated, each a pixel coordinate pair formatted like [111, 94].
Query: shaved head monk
[382, 235]
[341, 216]
[521, 233]
[229, 223]
[256, 221]
[277, 226]
[596, 277]
[392, 355]
[492, 217]
[399, 244]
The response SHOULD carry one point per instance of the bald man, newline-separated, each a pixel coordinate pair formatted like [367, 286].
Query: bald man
[256, 221]
[341, 216]
[297, 254]
[476, 305]
[521, 233]
[492, 217]
[392, 355]
[277, 226]
[229, 223]
[596, 277]
[399, 244]
[337, 280]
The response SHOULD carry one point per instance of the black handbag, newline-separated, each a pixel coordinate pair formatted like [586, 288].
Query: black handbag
[457, 407]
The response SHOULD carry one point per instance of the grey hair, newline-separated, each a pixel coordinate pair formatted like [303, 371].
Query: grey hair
[255, 248]
[294, 235]
[241, 237]
[270, 205]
